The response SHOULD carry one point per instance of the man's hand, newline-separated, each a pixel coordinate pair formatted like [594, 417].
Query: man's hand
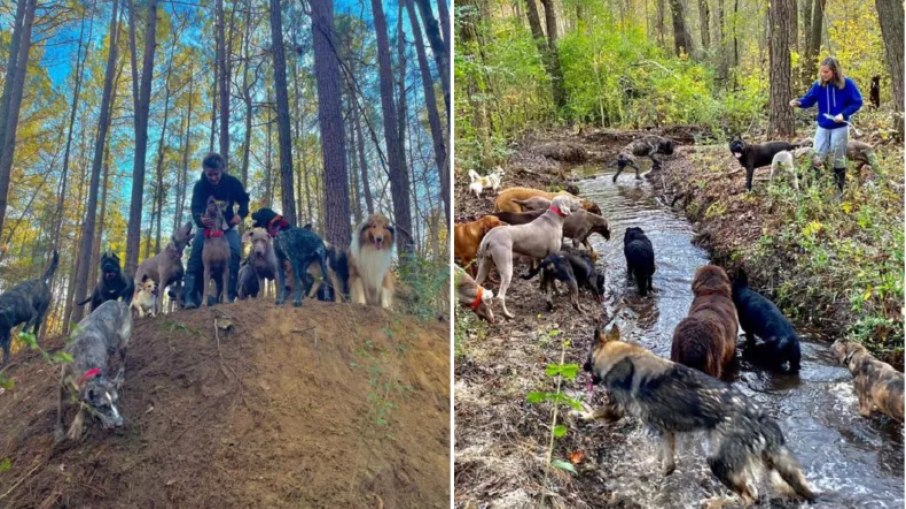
[839, 118]
[207, 222]
[235, 220]
[794, 103]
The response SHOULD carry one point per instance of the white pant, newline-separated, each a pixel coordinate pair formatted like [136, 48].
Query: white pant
[833, 142]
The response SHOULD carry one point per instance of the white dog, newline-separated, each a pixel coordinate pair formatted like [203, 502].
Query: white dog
[783, 160]
[478, 183]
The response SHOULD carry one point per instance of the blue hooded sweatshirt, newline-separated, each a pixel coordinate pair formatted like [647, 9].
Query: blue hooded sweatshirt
[832, 100]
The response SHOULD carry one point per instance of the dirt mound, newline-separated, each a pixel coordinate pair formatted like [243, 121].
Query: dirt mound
[330, 405]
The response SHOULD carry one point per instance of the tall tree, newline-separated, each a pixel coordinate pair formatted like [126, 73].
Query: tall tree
[441, 51]
[87, 234]
[550, 20]
[780, 117]
[704, 19]
[399, 175]
[223, 75]
[363, 165]
[437, 135]
[547, 55]
[810, 66]
[890, 14]
[284, 136]
[11, 109]
[330, 118]
[682, 39]
[133, 232]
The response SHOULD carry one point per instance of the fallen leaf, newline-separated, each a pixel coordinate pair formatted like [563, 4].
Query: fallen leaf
[576, 457]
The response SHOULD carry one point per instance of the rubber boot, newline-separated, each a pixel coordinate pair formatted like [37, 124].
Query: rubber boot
[840, 180]
[189, 297]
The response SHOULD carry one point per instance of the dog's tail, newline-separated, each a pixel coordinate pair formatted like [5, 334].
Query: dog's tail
[535, 270]
[55, 259]
[473, 176]
[777, 457]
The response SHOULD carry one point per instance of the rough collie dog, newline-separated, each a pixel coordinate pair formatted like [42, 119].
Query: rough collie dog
[370, 278]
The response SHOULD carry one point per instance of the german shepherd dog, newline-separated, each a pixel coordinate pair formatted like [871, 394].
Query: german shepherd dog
[672, 398]
[639, 258]
[758, 316]
[754, 155]
[27, 303]
[647, 146]
[706, 339]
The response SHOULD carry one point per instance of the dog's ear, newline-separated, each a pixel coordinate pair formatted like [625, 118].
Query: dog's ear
[247, 236]
[144, 277]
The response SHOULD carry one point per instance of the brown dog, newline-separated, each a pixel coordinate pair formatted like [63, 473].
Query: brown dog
[470, 294]
[215, 254]
[706, 339]
[506, 199]
[165, 268]
[370, 277]
[467, 237]
[878, 384]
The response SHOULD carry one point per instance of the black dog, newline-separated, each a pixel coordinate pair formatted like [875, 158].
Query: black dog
[874, 93]
[756, 155]
[646, 146]
[572, 268]
[25, 303]
[639, 258]
[759, 316]
[113, 284]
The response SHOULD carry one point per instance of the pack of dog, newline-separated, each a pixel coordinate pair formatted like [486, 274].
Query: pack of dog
[639, 259]
[112, 285]
[87, 381]
[756, 155]
[672, 398]
[27, 303]
[646, 146]
[706, 338]
[573, 268]
[759, 317]
[877, 384]
[507, 199]
[165, 268]
[537, 239]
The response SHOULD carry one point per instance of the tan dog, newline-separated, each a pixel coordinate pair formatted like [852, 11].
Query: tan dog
[878, 385]
[537, 239]
[470, 294]
[215, 254]
[505, 200]
[165, 268]
[262, 257]
[144, 301]
[706, 339]
[467, 237]
[370, 278]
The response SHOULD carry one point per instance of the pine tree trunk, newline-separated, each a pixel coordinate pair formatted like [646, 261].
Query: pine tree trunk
[780, 115]
[223, 75]
[704, 17]
[213, 110]
[181, 188]
[890, 15]
[15, 104]
[133, 235]
[437, 134]
[284, 136]
[442, 11]
[87, 234]
[550, 18]
[682, 39]
[794, 25]
[440, 50]
[102, 214]
[810, 64]
[330, 117]
[268, 157]
[11, 68]
[661, 23]
[363, 165]
[159, 170]
[247, 96]
[399, 175]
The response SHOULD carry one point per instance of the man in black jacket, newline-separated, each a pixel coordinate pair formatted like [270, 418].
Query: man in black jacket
[227, 190]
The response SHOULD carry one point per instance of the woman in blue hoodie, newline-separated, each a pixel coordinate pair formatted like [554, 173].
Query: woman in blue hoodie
[838, 99]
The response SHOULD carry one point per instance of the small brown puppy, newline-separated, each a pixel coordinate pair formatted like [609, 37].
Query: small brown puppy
[878, 385]
[506, 199]
[467, 237]
[706, 339]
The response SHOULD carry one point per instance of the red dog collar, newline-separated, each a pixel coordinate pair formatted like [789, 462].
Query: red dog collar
[211, 233]
[88, 375]
[556, 210]
[276, 224]
[477, 301]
